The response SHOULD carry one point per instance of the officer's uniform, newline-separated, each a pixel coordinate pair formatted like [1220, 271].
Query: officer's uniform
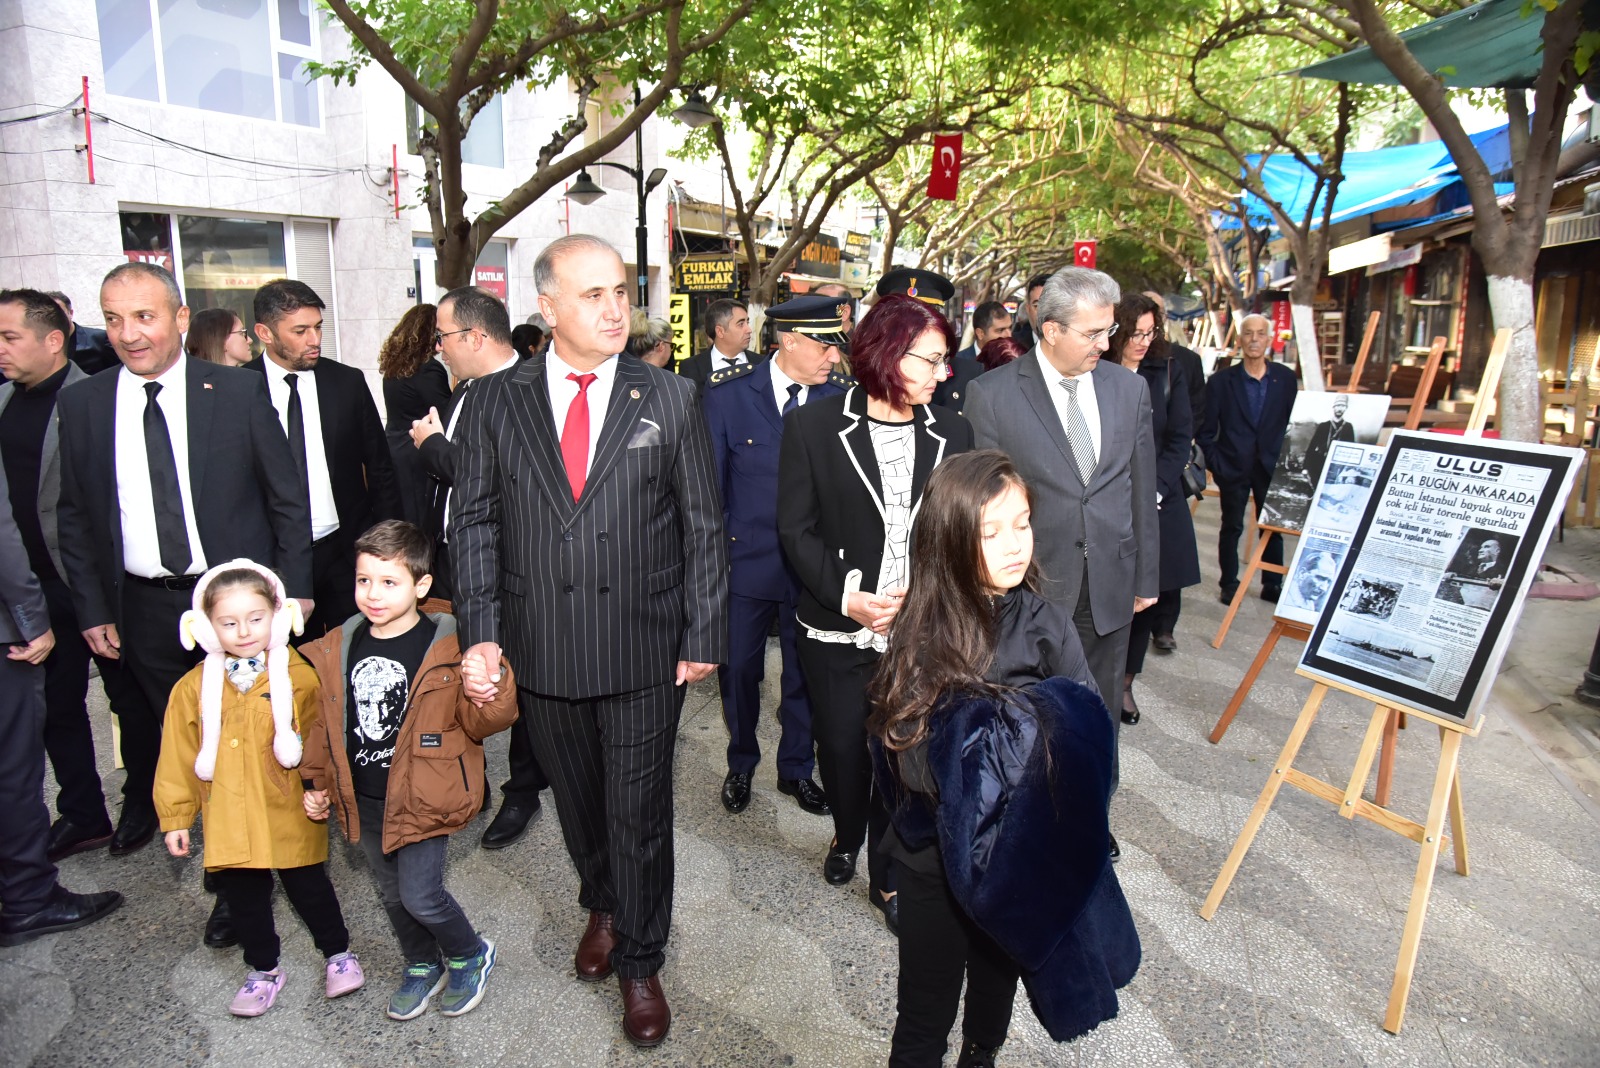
[935, 290]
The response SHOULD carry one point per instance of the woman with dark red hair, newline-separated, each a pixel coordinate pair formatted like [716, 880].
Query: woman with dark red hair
[851, 472]
[999, 352]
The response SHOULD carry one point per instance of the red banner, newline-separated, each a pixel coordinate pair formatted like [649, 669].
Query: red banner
[945, 177]
[1083, 254]
[1282, 324]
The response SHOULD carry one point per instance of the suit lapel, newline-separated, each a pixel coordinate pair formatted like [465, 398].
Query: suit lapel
[1036, 388]
[856, 436]
[201, 401]
[535, 427]
[930, 450]
[628, 395]
[102, 452]
[760, 381]
[327, 410]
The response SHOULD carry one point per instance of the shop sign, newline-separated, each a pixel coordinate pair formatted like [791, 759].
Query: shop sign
[160, 259]
[1359, 254]
[492, 279]
[857, 244]
[716, 275]
[678, 319]
[821, 257]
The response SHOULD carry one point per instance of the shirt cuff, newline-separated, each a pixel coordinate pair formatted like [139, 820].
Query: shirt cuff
[852, 584]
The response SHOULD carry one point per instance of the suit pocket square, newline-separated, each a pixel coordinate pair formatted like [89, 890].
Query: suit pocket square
[647, 433]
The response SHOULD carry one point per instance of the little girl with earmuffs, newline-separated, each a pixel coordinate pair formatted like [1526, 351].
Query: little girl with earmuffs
[230, 750]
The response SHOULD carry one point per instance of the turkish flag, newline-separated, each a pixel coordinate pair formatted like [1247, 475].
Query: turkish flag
[1083, 254]
[945, 177]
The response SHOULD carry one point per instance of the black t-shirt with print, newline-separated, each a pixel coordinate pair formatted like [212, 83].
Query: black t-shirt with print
[376, 692]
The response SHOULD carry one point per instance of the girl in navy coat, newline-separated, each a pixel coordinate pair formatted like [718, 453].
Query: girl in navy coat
[993, 752]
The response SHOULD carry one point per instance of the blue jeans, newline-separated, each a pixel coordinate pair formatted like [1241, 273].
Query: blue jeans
[425, 918]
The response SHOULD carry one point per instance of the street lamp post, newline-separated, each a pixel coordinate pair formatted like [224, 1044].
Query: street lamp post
[585, 191]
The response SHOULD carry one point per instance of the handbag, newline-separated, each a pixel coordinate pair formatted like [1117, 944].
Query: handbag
[1194, 470]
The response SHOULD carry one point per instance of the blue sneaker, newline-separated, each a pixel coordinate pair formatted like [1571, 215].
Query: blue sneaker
[469, 978]
[421, 982]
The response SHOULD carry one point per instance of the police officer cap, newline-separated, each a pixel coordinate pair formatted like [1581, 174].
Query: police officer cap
[818, 317]
[926, 286]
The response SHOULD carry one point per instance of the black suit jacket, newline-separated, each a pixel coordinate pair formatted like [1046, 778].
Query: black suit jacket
[698, 368]
[360, 469]
[830, 512]
[952, 392]
[1236, 448]
[90, 349]
[247, 498]
[606, 594]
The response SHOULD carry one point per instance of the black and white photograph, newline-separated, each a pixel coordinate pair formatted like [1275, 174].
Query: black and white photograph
[1365, 596]
[1318, 426]
[1478, 569]
[1312, 577]
[1382, 650]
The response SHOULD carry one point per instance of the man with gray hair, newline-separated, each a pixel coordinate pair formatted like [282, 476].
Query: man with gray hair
[1247, 412]
[587, 533]
[1078, 429]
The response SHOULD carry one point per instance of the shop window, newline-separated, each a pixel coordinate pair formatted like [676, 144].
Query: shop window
[236, 57]
[484, 145]
[492, 271]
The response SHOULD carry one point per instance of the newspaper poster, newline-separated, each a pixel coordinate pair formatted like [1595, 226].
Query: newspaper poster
[1433, 579]
[1331, 523]
[1318, 423]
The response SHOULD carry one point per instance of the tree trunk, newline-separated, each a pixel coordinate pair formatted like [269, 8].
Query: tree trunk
[453, 265]
[1305, 343]
[1511, 304]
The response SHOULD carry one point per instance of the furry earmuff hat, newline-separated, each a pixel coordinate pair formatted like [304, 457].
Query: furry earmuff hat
[194, 628]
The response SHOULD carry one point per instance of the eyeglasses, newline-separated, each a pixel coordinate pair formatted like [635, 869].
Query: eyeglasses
[1093, 337]
[1140, 335]
[242, 332]
[935, 362]
[438, 338]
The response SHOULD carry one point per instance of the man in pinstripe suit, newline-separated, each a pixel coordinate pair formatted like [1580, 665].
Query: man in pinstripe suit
[587, 534]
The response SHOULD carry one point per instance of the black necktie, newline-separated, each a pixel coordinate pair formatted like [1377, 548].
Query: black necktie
[297, 432]
[794, 399]
[733, 361]
[171, 530]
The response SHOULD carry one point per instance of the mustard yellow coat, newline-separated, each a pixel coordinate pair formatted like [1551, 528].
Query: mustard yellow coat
[251, 810]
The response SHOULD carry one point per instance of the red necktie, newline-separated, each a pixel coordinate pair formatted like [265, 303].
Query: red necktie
[575, 435]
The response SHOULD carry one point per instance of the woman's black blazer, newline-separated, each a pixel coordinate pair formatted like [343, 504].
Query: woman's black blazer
[830, 500]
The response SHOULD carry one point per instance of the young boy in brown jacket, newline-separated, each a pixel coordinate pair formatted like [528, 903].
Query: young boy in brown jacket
[397, 753]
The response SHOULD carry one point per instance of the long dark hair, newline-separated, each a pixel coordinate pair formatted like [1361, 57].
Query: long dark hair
[943, 640]
[409, 345]
[208, 333]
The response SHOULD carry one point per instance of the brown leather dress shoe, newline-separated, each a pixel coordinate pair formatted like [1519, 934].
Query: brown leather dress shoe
[646, 1017]
[593, 960]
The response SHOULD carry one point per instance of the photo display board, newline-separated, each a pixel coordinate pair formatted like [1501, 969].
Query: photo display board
[1335, 515]
[1434, 577]
[1319, 423]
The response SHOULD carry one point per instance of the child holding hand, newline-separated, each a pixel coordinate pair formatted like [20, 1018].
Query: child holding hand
[229, 750]
[398, 755]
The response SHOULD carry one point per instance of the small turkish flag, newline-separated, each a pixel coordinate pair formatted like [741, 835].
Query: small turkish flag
[945, 177]
[1083, 254]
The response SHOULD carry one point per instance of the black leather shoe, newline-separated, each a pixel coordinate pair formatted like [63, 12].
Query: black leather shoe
[1228, 591]
[976, 1056]
[134, 831]
[1271, 593]
[807, 794]
[840, 867]
[1116, 850]
[219, 927]
[63, 912]
[1164, 643]
[890, 907]
[1130, 708]
[736, 791]
[509, 824]
[68, 839]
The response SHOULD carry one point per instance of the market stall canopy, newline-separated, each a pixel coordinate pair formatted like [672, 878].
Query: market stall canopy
[1487, 45]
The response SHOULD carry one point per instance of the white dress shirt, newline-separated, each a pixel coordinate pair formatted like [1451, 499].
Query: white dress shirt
[1086, 400]
[324, 512]
[450, 430]
[720, 360]
[780, 387]
[563, 392]
[141, 548]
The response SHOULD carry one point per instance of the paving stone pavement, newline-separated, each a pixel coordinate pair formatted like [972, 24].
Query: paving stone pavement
[769, 965]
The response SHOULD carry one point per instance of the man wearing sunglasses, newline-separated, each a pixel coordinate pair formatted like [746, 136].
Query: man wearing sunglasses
[1078, 428]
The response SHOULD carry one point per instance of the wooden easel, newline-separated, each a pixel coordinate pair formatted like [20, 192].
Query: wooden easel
[1367, 336]
[1446, 799]
[1263, 533]
[1284, 628]
[1489, 385]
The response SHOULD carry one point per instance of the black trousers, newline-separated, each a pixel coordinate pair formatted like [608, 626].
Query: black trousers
[739, 681]
[248, 892]
[940, 947]
[837, 677]
[68, 739]
[333, 585]
[610, 765]
[527, 777]
[1235, 498]
[1159, 618]
[153, 656]
[26, 874]
[1108, 657]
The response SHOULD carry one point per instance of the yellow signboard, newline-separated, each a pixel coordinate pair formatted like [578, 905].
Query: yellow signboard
[678, 317]
[715, 275]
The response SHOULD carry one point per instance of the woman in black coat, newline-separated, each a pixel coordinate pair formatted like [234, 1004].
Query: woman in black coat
[851, 472]
[413, 382]
[1140, 345]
